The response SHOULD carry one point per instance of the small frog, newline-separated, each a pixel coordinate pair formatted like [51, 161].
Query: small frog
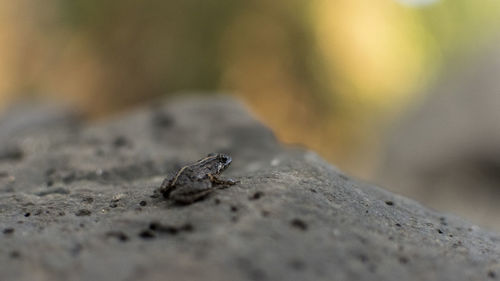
[195, 181]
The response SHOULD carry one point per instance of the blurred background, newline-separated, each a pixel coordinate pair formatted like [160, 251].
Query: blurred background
[400, 93]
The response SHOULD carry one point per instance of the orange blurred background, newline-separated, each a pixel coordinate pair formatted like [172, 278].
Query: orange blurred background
[330, 75]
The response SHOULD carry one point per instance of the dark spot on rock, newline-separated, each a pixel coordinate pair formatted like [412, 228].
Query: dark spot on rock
[50, 171]
[257, 195]
[118, 235]
[76, 249]
[389, 203]
[439, 231]
[450, 235]
[27, 214]
[82, 225]
[143, 203]
[147, 234]
[8, 230]
[257, 274]
[313, 190]
[50, 183]
[234, 209]
[11, 154]
[443, 221]
[3, 174]
[390, 238]
[120, 141]
[492, 274]
[299, 224]
[234, 219]
[398, 224]
[403, 260]
[297, 264]
[217, 201]
[38, 212]
[170, 229]
[99, 152]
[61, 213]
[366, 212]
[88, 200]
[162, 119]
[265, 213]
[15, 254]
[113, 205]
[69, 177]
[83, 212]
[363, 258]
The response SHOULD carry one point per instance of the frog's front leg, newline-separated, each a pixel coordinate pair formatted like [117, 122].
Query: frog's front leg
[222, 182]
[166, 187]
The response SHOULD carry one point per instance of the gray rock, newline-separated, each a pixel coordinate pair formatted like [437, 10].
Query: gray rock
[82, 207]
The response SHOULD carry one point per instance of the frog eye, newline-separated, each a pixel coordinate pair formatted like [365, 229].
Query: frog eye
[225, 158]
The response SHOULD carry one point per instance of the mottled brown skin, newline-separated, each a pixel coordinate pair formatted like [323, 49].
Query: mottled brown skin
[195, 181]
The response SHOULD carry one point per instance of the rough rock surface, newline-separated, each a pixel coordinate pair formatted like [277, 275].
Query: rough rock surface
[76, 204]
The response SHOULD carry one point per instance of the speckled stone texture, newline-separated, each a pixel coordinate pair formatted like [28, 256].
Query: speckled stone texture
[77, 203]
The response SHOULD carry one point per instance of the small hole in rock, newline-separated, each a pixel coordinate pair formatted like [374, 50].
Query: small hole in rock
[83, 212]
[187, 227]
[118, 235]
[27, 214]
[398, 224]
[9, 230]
[313, 190]
[492, 274]
[440, 231]
[363, 258]
[120, 141]
[234, 209]
[299, 224]
[143, 203]
[389, 203]
[88, 200]
[217, 201]
[403, 260]
[146, 234]
[297, 264]
[257, 195]
[15, 254]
